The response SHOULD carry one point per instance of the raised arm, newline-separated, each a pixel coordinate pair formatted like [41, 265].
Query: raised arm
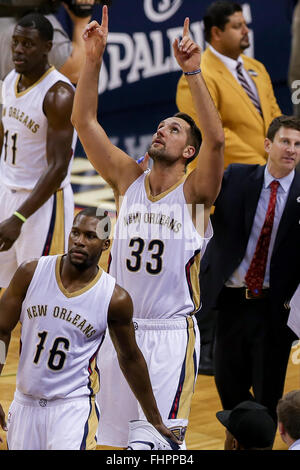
[203, 184]
[57, 107]
[10, 310]
[131, 359]
[114, 165]
[71, 68]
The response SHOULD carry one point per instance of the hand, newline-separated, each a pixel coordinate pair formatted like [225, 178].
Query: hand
[10, 230]
[144, 163]
[2, 421]
[187, 52]
[95, 36]
[167, 433]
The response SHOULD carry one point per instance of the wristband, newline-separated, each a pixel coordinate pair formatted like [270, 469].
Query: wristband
[20, 216]
[193, 73]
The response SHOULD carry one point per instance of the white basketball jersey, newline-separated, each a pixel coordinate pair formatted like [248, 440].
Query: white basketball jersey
[156, 252]
[62, 333]
[24, 152]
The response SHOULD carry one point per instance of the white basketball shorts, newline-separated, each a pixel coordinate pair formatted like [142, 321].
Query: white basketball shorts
[171, 349]
[62, 424]
[44, 233]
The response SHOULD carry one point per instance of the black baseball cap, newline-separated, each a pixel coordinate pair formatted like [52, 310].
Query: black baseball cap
[250, 423]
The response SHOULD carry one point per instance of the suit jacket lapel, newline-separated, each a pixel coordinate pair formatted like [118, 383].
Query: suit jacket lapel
[229, 78]
[291, 211]
[254, 74]
[252, 192]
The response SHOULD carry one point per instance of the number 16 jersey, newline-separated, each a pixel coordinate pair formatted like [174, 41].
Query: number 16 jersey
[156, 251]
[62, 333]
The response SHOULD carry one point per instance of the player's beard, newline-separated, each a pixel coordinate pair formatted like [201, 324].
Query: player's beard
[82, 264]
[157, 154]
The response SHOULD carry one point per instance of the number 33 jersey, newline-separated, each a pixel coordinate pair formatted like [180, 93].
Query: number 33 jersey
[156, 251]
[62, 333]
[25, 125]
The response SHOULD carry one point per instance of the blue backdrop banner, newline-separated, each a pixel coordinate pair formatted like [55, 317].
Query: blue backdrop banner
[139, 76]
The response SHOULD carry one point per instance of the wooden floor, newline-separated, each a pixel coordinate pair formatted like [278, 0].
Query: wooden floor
[204, 432]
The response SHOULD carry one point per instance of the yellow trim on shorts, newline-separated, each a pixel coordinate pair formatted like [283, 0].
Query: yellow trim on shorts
[92, 425]
[189, 380]
[94, 377]
[194, 275]
[58, 238]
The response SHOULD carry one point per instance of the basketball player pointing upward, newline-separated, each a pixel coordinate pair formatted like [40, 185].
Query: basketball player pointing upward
[64, 304]
[154, 263]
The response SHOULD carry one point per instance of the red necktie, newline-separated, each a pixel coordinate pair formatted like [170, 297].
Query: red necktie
[256, 272]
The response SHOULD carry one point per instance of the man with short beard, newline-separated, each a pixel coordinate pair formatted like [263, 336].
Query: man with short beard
[239, 85]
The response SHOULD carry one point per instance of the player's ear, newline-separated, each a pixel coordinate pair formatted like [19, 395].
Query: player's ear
[48, 46]
[106, 244]
[189, 151]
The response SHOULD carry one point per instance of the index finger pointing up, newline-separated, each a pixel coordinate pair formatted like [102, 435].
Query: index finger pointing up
[104, 21]
[186, 27]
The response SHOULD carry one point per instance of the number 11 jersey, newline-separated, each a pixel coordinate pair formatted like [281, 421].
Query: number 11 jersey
[25, 125]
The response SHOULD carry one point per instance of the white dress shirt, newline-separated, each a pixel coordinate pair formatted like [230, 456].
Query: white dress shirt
[295, 445]
[238, 277]
[231, 65]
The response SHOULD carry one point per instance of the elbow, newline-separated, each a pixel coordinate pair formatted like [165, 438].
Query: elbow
[74, 119]
[80, 120]
[77, 118]
[219, 141]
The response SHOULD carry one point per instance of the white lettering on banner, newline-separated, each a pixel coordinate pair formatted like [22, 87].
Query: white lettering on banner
[118, 42]
[140, 55]
[146, 55]
[165, 9]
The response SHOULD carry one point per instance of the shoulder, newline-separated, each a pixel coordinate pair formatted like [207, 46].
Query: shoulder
[28, 268]
[23, 275]
[241, 169]
[59, 98]
[10, 77]
[297, 177]
[236, 174]
[60, 89]
[120, 307]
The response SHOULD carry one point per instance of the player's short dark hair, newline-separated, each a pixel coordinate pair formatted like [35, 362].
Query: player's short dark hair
[288, 412]
[40, 23]
[289, 122]
[217, 14]
[195, 137]
[99, 214]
